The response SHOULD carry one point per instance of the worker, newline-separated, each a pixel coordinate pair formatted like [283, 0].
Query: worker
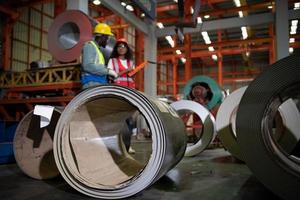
[121, 62]
[94, 70]
[200, 93]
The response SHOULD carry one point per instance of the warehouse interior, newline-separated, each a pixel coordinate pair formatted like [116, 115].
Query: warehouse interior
[243, 143]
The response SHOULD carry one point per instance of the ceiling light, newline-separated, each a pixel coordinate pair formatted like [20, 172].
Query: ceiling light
[130, 8]
[270, 7]
[170, 40]
[183, 60]
[160, 25]
[214, 57]
[192, 10]
[199, 20]
[241, 14]
[293, 30]
[211, 48]
[97, 2]
[237, 3]
[178, 52]
[206, 16]
[292, 40]
[244, 32]
[123, 3]
[294, 22]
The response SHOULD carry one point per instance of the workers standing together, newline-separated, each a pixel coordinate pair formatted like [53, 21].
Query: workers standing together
[94, 70]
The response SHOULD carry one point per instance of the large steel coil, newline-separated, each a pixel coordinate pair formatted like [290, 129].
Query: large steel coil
[277, 168]
[217, 95]
[226, 123]
[208, 129]
[67, 34]
[89, 149]
[33, 146]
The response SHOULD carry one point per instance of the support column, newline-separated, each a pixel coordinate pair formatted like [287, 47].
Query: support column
[59, 7]
[150, 49]
[187, 51]
[220, 61]
[139, 58]
[78, 5]
[6, 48]
[282, 29]
[174, 62]
[272, 50]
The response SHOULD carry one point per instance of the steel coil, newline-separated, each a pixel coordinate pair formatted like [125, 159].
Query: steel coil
[67, 34]
[208, 121]
[217, 95]
[33, 146]
[88, 147]
[274, 166]
[226, 123]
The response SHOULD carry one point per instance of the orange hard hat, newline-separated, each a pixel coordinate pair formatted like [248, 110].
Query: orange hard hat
[122, 40]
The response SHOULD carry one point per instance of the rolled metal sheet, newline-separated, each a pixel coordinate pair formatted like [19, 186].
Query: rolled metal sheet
[67, 34]
[88, 147]
[271, 164]
[217, 95]
[226, 123]
[33, 146]
[208, 121]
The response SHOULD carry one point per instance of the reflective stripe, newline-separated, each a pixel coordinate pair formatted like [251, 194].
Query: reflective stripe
[100, 55]
[124, 79]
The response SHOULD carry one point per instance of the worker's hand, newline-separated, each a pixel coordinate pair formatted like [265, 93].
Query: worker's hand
[112, 73]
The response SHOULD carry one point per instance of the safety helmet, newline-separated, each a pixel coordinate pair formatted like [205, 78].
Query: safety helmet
[102, 28]
[122, 40]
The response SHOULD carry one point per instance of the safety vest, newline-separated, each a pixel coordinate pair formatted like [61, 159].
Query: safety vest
[124, 79]
[99, 59]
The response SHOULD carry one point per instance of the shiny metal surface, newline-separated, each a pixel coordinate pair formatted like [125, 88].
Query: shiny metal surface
[277, 168]
[88, 147]
[208, 121]
[33, 146]
[67, 34]
[226, 124]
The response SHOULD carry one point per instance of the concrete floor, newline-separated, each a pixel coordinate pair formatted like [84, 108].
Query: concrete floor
[213, 174]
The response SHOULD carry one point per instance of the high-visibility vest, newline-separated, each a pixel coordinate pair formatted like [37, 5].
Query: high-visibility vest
[99, 59]
[123, 80]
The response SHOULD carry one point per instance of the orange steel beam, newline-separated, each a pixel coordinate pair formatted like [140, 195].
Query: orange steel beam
[220, 64]
[6, 38]
[174, 83]
[33, 88]
[272, 52]
[139, 57]
[59, 7]
[221, 44]
[9, 11]
[36, 100]
[6, 50]
[227, 51]
[217, 12]
[187, 52]
[188, 41]
[175, 7]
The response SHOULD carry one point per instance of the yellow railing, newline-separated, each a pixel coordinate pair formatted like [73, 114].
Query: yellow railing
[40, 77]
